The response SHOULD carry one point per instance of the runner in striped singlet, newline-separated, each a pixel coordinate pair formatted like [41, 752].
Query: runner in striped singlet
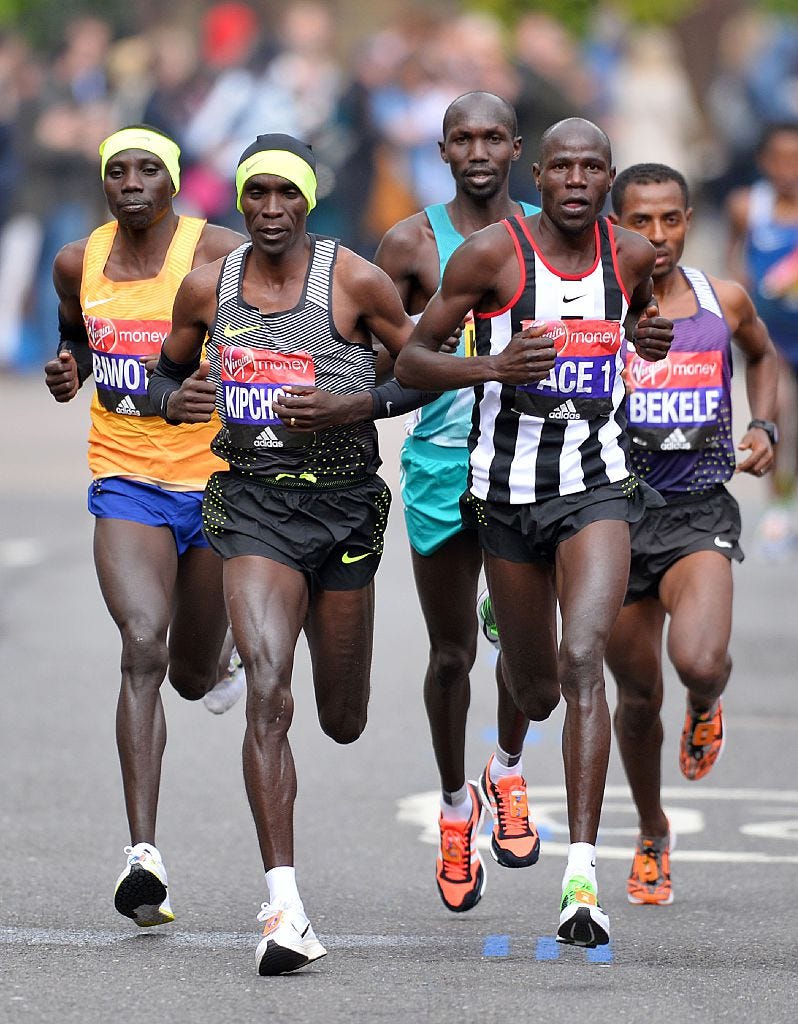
[550, 489]
[480, 144]
[299, 517]
[161, 582]
[680, 428]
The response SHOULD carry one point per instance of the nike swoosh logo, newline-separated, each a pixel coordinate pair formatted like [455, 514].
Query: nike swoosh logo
[723, 543]
[388, 407]
[97, 302]
[233, 332]
[573, 298]
[347, 559]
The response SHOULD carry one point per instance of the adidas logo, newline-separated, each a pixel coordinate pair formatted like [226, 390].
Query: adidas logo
[267, 439]
[675, 441]
[566, 411]
[127, 408]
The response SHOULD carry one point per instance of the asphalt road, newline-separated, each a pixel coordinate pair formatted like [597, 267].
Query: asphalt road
[724, 951]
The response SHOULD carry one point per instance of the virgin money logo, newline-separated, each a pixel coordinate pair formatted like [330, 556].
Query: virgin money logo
[237, 363]
[101, 333]
[644, 374]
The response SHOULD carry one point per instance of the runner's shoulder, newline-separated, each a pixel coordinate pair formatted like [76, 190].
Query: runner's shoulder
[216, 242]
[405, 238]
[68, 263]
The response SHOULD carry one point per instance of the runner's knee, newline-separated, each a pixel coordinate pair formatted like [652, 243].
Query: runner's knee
[450, 664]
[342, 725]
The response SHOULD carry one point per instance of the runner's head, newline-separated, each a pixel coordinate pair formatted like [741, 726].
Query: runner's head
[573, 173]
[480, 141]
[140, 169]
[276, 190]
[653, 199]
[777, 155]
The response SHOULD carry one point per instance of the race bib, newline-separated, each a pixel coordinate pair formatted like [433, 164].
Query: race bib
[675, 402]
[117, 349]
[581, 382]
[252, 380]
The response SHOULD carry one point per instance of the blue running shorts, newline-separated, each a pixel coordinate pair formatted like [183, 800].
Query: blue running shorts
[117, 497]
[432, 478]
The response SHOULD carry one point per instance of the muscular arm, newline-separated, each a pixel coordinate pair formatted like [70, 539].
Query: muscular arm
[179, 388]
[761, 371]
[651, 333]
[470, 281]
[73, 364]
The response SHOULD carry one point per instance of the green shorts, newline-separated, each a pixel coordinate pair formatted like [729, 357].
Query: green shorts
[432, 479]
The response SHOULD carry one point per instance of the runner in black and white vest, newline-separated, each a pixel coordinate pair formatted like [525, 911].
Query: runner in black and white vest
[680, 427]
[550, 488]
[300, 515]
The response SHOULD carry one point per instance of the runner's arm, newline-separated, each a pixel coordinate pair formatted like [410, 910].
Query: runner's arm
[65, 374]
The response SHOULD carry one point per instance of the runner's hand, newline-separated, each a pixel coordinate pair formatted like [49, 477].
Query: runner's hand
[309, 408]
[653, 334]
[760, 460]
[195, 399]
[529, 356]
[61, 376]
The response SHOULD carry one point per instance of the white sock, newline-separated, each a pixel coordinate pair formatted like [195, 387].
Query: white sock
[581, 861]
[457, 806]
[282, 887]
[499, 769]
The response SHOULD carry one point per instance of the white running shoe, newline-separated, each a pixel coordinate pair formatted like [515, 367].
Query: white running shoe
[141, 890]
[288, 941]
[228, 690]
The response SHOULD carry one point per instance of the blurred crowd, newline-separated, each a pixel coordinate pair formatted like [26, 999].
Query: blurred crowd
[372, 113]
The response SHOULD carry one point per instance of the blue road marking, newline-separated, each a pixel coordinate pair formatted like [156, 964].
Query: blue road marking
[600, 955]
[547, 948]
[490, 735]
[496, 945]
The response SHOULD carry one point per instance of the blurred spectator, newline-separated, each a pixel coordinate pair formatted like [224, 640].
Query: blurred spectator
[655, 116]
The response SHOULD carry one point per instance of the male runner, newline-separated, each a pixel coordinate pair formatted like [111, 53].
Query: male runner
[680, 427]
[550, 489]
[763, 257]
[480, 144]
[299, 517]
[160, 580]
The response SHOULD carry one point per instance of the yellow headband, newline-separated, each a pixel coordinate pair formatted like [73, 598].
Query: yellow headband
[285, 165]
[151, 142]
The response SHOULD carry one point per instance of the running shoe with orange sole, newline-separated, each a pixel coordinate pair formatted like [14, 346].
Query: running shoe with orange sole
[514, 842]
[459, 870]
[649, 881]
[703, 739]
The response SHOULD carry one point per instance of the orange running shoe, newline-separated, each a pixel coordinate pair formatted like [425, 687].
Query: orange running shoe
[703, 739]
[460, 873]
[514, 842]
[649, 880]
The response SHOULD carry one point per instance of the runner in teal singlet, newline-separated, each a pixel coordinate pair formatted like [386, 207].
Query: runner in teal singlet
[480, 143]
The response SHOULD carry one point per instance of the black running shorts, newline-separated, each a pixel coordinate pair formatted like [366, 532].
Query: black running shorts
[333, 536]
[709, 521]
[530, 533]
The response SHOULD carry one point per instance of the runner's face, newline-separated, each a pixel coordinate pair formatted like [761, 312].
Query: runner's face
[138, 188]
[779, 163]
[275, 212]
[573, 177]
[656, 210]
[479, 150]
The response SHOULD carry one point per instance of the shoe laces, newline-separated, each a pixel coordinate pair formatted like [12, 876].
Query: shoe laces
[512, 808]
[648, 866]
[455, 851]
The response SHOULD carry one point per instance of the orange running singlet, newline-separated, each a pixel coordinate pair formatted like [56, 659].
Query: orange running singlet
[126, 320]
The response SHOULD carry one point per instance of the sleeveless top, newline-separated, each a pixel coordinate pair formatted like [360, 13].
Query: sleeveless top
[254, 355]
[680, 417]
[447, 420]
[126, 320]
[772, 261]
[564, 434]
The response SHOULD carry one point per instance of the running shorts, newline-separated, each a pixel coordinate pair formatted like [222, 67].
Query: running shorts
[118, 497]
[432, 478]
[531, 532]
[333, 536]
[708, 521]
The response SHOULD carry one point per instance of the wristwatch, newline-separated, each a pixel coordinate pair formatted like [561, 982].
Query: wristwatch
[769, 427]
